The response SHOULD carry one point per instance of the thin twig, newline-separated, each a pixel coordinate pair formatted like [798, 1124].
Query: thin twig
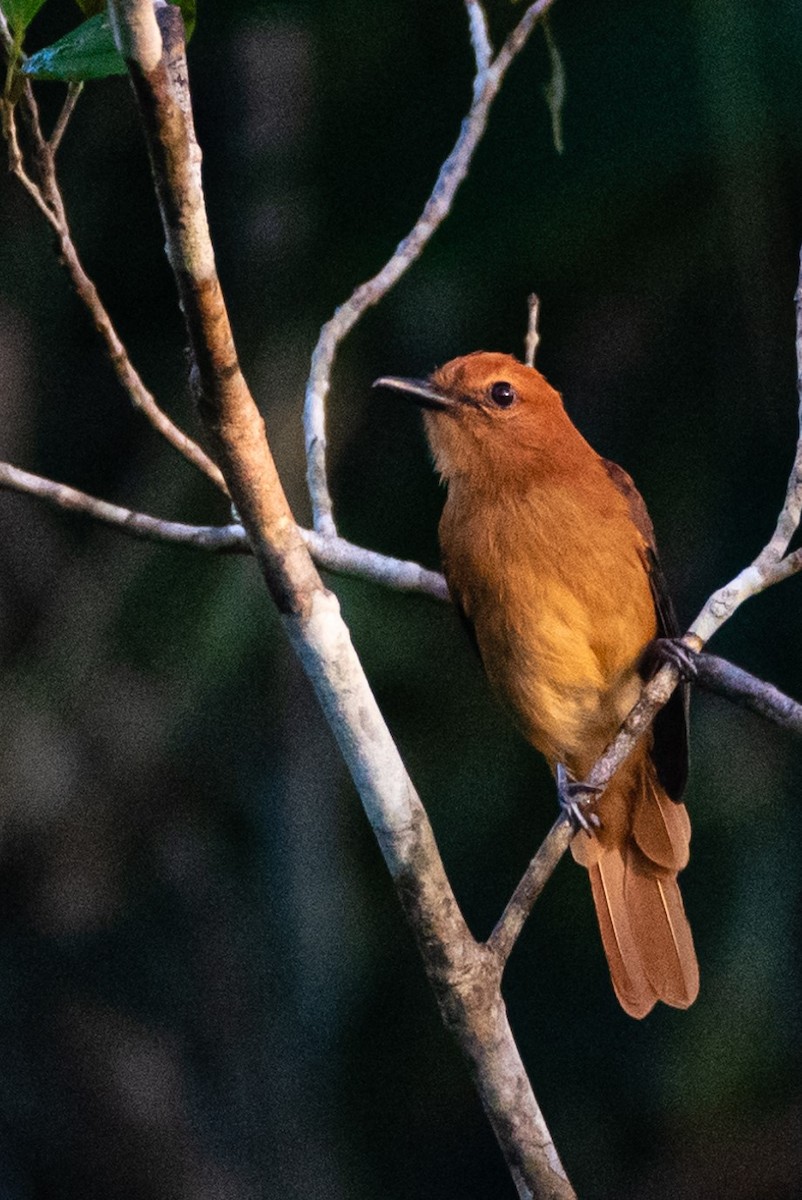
[16, 165]
[335, 554]
[715, 674]
[772, 564]
[537, 875]
[74, 90]
[224, 539]
[487, 81]
[532, 331]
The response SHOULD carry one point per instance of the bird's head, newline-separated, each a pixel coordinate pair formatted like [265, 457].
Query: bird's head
[486, 415]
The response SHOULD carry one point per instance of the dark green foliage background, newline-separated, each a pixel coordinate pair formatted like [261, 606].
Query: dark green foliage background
[207, 990]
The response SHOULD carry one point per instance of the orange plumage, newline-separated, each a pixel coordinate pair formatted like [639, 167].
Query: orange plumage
[549, 553]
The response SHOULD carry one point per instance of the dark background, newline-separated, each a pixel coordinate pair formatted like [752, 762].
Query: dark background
[207, 990]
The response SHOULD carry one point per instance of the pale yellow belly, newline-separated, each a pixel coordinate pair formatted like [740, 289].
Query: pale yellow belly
[567, 670]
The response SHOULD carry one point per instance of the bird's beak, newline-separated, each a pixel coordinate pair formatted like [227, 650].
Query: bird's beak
[418, 390]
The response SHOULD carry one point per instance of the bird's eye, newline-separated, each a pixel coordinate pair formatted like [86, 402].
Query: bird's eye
[503, 394]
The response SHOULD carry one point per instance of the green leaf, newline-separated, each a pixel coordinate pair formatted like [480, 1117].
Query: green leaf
[88, 52]
[20, 13]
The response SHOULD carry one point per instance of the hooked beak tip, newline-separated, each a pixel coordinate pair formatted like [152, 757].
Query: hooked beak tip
[418, 390]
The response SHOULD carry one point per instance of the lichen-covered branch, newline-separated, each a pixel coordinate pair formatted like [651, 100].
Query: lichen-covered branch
[488, 79]
[463, 974]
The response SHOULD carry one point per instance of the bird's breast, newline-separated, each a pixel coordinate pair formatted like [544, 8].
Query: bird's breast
[560, 602]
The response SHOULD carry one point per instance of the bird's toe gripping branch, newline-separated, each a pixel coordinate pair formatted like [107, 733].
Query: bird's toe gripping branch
[676, 652]
[575, 800]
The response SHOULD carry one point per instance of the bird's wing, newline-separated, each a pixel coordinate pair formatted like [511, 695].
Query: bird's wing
[670, 749]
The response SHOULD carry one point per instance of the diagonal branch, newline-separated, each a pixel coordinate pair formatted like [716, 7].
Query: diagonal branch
[335, 554]
[725, 679]
[488, 79]
[223, 539]
[62, 121]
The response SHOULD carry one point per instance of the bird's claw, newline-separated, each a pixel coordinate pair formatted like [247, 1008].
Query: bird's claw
[675, 652]
[575, 799]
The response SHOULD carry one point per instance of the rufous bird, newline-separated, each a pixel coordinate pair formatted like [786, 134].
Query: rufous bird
[549, 555]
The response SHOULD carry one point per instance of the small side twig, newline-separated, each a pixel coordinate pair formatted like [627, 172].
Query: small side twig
[335, 554]
[68, 108]
[532, 331]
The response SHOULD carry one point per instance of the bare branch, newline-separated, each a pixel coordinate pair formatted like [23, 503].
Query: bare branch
[725, 679]
[771, 565]
[225, 539]
[335, 554]
[532, 332]
[59, 129]
[537, 875]
[16, 165]
[487, 81]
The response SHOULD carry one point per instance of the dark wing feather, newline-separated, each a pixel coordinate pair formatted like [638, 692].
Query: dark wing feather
[670, 749]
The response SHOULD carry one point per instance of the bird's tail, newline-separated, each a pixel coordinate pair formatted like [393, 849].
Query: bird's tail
[633, 866]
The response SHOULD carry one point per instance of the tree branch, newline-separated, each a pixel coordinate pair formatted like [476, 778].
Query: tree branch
[533, 331]
[224, 539]
[463, 974]
[60, 128]
[336, 554]
[725, 679]
[487, 81]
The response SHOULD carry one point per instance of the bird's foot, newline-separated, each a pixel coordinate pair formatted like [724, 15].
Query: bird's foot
[675, 652]
[575, 799]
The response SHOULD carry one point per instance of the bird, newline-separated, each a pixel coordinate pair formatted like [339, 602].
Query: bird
[550, 559]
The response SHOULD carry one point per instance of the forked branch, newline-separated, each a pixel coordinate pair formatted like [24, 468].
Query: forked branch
[488, 78]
